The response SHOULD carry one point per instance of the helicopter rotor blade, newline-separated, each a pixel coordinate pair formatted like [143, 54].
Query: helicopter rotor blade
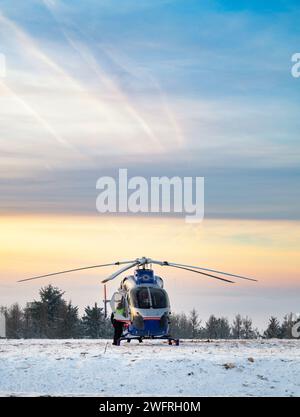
[204, 269]
[120, 271]
[202, 273]
[73, 270]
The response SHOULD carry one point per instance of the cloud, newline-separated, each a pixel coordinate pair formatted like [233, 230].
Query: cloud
[92, 89]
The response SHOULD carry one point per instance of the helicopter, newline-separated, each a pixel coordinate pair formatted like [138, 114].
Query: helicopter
[145, 303]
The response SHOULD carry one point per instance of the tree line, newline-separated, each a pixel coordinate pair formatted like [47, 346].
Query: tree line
[53, 317]
[190, 326]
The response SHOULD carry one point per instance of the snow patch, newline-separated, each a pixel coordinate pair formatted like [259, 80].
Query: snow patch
[197, 368]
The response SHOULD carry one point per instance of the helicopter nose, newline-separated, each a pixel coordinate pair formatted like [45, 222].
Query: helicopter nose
[138, 322]
[164, 321]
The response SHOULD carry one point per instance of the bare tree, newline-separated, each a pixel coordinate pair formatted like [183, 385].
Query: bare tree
[194, 323]
[287, 325]
[14, 322]
[223, 328]
[211, 327]
[247, 330]
[237, 327]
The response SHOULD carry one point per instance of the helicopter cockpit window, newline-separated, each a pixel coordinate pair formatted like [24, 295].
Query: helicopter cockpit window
[141, 298]
[158, 298]
[149, 297]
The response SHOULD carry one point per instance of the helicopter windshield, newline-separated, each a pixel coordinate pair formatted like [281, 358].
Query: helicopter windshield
[158, 298]
[149, 297]
[140, 297]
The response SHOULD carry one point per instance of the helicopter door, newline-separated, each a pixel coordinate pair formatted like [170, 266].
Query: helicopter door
[119, 306]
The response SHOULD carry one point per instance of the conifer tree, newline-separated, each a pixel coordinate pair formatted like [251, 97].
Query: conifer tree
[273, 330]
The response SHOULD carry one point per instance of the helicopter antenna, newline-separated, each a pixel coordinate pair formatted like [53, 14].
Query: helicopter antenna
[105, 301]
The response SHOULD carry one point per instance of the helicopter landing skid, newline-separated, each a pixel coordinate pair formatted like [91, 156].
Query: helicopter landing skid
[171, 340]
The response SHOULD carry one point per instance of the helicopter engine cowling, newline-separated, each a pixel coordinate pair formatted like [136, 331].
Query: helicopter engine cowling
[159, 281]
[128, 283]
[142, 278]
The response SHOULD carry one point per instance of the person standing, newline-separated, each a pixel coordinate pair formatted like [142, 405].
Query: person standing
[118, 324]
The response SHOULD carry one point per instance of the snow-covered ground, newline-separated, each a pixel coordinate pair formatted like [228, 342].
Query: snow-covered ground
[95, 367]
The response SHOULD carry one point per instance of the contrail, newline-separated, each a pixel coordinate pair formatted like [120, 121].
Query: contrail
[35, 51]
[91, 61]
[157, 86]
[36, 115]
[30, 44]
[89, 58]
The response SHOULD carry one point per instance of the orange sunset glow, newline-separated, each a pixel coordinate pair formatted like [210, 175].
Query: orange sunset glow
[32, 245]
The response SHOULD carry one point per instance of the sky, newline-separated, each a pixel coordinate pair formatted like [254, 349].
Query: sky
[183, 88]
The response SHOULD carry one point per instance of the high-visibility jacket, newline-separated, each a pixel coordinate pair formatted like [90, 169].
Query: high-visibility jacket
[120, 311]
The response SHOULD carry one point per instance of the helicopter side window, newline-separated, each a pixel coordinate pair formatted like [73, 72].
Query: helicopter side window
[119, 305]
[141, 298]
[158, 298]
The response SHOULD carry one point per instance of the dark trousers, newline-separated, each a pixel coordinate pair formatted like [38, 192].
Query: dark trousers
[118, 330]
